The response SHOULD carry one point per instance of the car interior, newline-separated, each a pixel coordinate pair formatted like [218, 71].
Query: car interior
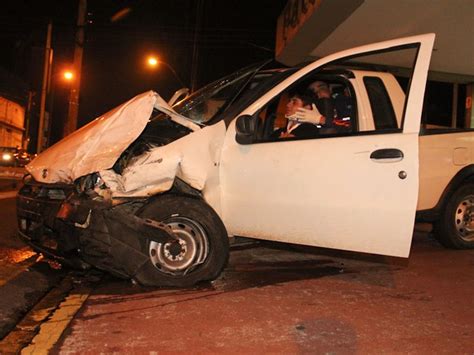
[344, 121]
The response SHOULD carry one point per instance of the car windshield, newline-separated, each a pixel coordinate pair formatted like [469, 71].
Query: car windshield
[206, 103]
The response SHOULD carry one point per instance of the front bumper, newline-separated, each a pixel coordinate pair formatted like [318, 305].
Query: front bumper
[80, 231]
[37, 207]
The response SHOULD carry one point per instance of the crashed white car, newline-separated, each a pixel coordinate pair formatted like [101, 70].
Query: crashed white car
[152, 192]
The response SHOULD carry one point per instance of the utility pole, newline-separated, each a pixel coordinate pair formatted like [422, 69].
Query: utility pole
[195, 58]
[71, 122]
[28, 114]
[48, 60]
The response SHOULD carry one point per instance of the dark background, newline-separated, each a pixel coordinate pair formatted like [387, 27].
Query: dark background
[232, 34]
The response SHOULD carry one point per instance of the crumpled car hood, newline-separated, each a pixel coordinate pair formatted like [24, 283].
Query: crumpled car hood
[97, 146]
[192, 158]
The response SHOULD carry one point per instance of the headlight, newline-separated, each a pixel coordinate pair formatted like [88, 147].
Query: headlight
[7, 156]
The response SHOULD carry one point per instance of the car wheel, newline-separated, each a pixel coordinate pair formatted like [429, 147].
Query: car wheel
[200, 252]
[455, 228]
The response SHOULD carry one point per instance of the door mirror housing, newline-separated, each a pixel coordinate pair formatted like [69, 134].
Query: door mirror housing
[245, 129]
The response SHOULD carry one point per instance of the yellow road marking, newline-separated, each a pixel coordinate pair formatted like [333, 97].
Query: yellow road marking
[51, 331]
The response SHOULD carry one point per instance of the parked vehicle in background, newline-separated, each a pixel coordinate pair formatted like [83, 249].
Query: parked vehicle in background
[152, 192]
[14, 157]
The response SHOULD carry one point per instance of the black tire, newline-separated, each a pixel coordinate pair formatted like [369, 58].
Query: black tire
[453, 229]
[204, 226]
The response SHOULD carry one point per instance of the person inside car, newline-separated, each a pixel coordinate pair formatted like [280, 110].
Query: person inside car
[294, 127]
[322, 111]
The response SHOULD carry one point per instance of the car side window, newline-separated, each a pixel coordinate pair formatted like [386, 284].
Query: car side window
[382, 109]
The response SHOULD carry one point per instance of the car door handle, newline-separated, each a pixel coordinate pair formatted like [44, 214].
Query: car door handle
[387, 154]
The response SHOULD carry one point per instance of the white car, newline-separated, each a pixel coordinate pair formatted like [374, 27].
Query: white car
[152, 192]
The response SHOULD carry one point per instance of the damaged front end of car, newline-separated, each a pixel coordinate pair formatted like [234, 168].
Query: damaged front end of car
[86, 200]
[79, 229]
[37, 207]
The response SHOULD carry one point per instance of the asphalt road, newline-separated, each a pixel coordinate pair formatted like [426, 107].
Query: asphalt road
[270, 299]
[24, 276]
[13, 253]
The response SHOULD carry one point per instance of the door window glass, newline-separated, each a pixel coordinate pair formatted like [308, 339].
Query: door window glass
[323, 103]
[382, 109]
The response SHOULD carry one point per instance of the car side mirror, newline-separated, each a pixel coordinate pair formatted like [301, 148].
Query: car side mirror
[245, 129]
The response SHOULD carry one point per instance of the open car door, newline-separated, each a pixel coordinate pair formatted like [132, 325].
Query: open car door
[354, 191]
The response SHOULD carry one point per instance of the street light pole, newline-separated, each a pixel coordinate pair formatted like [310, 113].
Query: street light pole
[71, 123]
[175, 74]
[48, 60]
[195, 58]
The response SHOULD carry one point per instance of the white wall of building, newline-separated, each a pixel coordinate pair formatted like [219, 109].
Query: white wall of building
[12, 119]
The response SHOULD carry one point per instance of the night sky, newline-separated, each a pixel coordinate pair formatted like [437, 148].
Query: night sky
[232, 34]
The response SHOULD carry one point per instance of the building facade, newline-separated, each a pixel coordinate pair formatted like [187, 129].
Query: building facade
[14, 98]
[12, 120]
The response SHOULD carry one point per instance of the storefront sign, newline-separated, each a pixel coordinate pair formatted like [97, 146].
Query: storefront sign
[294, 15]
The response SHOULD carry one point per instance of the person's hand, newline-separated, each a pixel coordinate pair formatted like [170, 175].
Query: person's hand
[311, 116]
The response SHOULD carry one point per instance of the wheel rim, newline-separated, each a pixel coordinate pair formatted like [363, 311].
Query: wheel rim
[464, 219]
[186, 253]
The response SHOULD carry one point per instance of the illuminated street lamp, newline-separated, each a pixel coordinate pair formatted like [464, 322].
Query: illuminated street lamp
[154, 62]
[62, 77]
[68, 75]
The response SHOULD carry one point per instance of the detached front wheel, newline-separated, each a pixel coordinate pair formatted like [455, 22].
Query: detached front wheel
[455, 229]
[200, 251]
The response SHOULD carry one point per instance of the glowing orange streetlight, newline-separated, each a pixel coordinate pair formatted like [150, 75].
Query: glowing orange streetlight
[68, 75]
[152, 61]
